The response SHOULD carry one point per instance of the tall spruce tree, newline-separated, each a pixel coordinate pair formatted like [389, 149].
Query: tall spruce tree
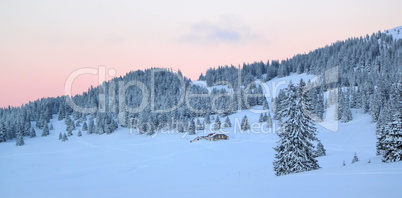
[265, 104]
[207, 119]
[180, 127]
[261, 119]
[70, 132]
[32, 134]
[265, 117]
[269, 121]
[200, 126]
[69, 123]
[392, 139]
[336, 112]
[295, 150]
[85, 126]
[217, 124]
[320, 150]
[20, 140]
[191, 127]
[91, 125]
[345, 112]
[245, 125]
[227, 123]
[284, 101]
[2, 132]
[64, 138]
[61, 114]
[45, 131]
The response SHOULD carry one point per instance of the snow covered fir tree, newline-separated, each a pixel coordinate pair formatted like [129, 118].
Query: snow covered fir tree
[295, 150]
[391, 139]
[320, 151]
[389, 126]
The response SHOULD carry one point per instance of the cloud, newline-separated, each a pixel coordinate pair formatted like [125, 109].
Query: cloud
[112, 38]
[228, 29]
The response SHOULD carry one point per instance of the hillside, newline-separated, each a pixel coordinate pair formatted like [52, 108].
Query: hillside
[396, 32]
[126, 164]
[138, 130]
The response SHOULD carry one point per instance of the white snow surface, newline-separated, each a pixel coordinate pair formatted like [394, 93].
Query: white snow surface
[395, 32]
[272, 87]
[126, 164]
[202, 83]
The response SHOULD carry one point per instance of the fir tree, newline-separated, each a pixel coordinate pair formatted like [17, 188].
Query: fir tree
[261, 119]
[245, 125]
[217, 124]
[336, 112]
[191, 127]
[207, 119]
[392, 139]
[319, 108]
[265, 117]
[91, 125]
[346, 113]
[383, 120]
[69, 123]
[85, 126]
[355, 159]
[227, 123]
[70, 132]
[79, 134]
[265, 105]
[51, 127]
[60, 136]
[295, 151]
[151, 128]
[32, 134]
[45, 131]
[284, 100]
[65, 138]
[61, 113]
[269, 121]
[72, 125]
[2, 132]
[110, 124]
[320, 150]
[20, 140]
[40, 122]
[180, 127]
[200, 126]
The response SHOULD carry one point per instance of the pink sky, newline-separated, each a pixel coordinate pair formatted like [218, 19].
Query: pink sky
[43, 42]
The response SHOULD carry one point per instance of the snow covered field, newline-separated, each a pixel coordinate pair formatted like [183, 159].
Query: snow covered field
[125, 164]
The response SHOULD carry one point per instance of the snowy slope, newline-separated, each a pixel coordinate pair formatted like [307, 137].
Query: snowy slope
[126, 164]
[395, 32]
[272, 87]
[202, 83]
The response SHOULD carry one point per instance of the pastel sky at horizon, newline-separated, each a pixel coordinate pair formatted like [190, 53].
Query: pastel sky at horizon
[42, 42]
